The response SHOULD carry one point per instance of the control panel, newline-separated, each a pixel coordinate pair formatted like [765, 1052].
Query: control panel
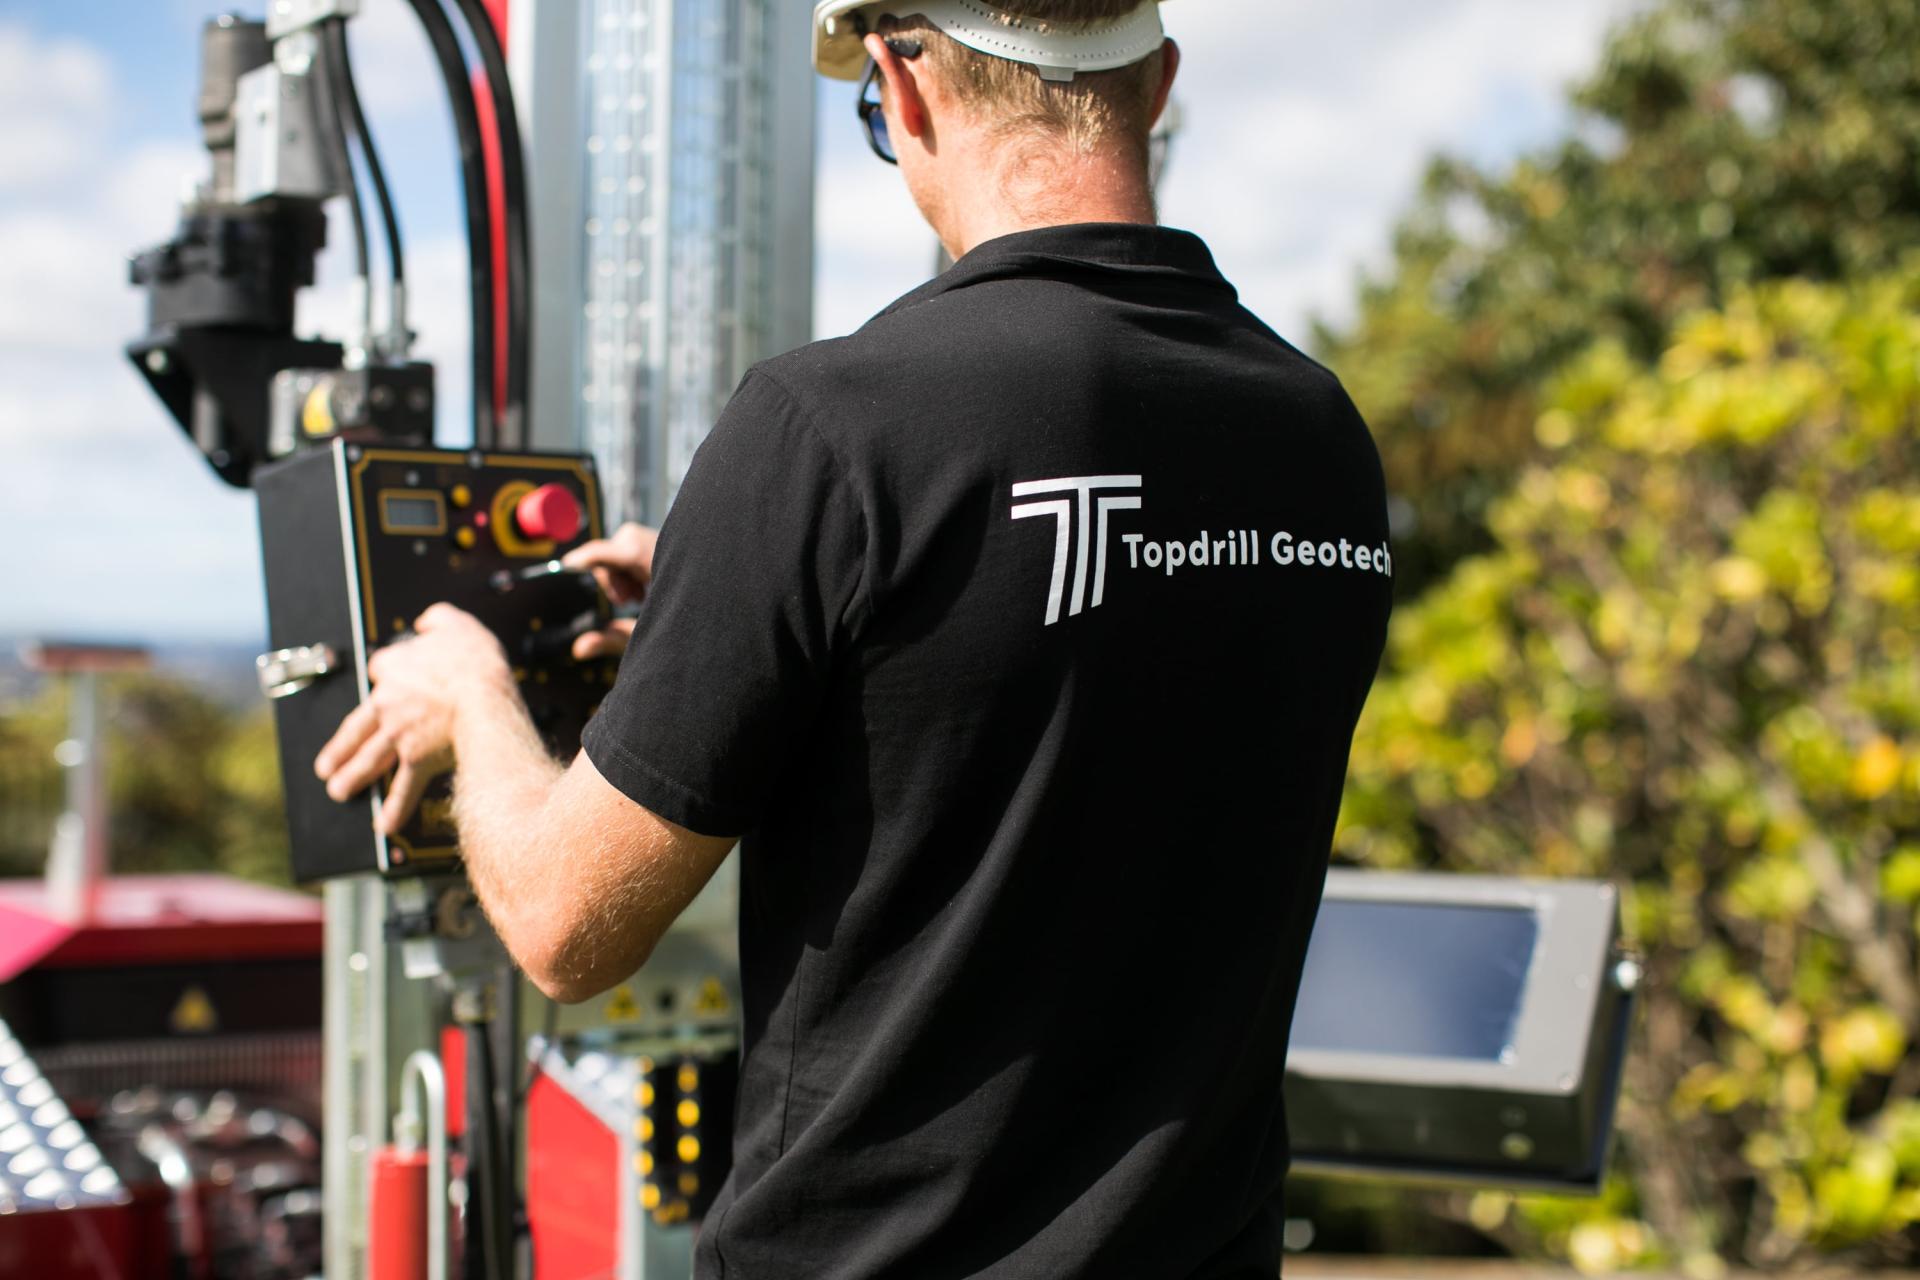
[357, 541]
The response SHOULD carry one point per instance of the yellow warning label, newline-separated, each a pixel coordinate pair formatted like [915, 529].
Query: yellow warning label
[193, 1013]
[712, 1000]
[436, 815]
[621, 1006]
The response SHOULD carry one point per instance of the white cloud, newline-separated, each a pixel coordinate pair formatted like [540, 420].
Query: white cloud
[64, 89]
[1303, 135]
[1298, 150]
[1306, 128]
[393, 65]
[143, 539]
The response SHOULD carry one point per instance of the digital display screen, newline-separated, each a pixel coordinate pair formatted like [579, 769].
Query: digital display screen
[1436, 979]
[411, 513]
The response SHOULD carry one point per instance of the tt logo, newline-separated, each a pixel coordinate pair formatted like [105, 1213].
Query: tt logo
[1079, 516]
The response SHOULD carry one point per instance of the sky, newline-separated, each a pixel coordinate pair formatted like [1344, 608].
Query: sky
[1304, 131]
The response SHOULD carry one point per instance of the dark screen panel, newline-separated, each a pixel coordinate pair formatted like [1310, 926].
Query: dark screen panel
[1437, 980]
[407, 513]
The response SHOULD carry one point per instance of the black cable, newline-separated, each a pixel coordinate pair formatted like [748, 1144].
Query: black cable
[513, 187]
[466, 127]
[348, 96]
[333, 110]
[484, 1170]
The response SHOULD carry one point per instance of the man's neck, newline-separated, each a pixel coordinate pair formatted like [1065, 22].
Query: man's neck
[1021, 192]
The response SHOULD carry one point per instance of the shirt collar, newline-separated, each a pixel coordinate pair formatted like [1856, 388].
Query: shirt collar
[1124, 247]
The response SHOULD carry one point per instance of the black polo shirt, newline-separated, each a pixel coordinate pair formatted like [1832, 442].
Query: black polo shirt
[1021, 634]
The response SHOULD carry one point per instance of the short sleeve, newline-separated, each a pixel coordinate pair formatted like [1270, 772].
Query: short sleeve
[757, 579]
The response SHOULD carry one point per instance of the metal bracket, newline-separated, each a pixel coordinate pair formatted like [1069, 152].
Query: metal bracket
[288, 671]
[277, 148]
[286, 16]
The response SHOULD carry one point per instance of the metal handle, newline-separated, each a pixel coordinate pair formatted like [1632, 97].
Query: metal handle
[423, 1068]
[287, 671]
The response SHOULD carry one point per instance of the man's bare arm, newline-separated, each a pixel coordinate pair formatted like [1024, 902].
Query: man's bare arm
[579, 881]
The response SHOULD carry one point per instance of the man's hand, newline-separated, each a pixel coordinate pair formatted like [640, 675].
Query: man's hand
[419, 686]
[623, 565]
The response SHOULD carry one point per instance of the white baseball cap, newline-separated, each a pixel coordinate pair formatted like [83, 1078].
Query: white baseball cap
[1058, 50]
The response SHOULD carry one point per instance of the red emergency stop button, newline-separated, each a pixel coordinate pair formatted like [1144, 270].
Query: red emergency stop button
[549, 514]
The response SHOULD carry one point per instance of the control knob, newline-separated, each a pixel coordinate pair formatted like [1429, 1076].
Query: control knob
[549, 514]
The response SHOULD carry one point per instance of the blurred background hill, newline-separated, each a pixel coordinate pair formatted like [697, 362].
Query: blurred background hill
[1649, 405]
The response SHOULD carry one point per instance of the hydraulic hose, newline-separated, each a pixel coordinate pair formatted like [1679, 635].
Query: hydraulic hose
[349, 99]
[473, 176]
[340, 128]
[513, 185]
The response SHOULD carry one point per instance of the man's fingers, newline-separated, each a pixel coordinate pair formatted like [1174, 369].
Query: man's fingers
[353, 732]
[436, 616]
[621, 588]
[374, 758]
[608, 643]
[621, 564]
[589, 555]
[409, 784]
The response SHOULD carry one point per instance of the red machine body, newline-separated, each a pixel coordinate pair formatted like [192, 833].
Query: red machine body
[147, 920]
[397, 1216]
[573, 1186]
[170, 1048]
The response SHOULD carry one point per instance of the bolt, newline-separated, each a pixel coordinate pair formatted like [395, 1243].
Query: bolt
[157, 362]
[1516, 1146]
[1627, 974]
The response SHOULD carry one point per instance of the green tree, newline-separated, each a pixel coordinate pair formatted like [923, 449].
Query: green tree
[192, 785]
[1690, 662]
[1724, 142]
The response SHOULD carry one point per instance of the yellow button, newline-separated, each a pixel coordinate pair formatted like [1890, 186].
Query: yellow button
[688, 1113]
[461, 495]
[688, 1149]
[465, 537]
[649, 1196]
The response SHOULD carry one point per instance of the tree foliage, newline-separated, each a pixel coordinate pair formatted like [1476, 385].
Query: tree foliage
[192, 784]
[1724, 142]
[1690, 662]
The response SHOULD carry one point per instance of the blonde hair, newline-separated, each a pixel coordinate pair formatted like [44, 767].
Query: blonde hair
[1088, 112]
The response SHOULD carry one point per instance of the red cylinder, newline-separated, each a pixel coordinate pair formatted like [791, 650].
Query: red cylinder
[550, 513]
[397, 1216]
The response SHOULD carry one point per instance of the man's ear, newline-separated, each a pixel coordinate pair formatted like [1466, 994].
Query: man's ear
[905, 104]
[1169, 68]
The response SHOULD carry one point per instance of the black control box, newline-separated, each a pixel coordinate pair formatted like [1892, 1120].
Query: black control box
[357, 541]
